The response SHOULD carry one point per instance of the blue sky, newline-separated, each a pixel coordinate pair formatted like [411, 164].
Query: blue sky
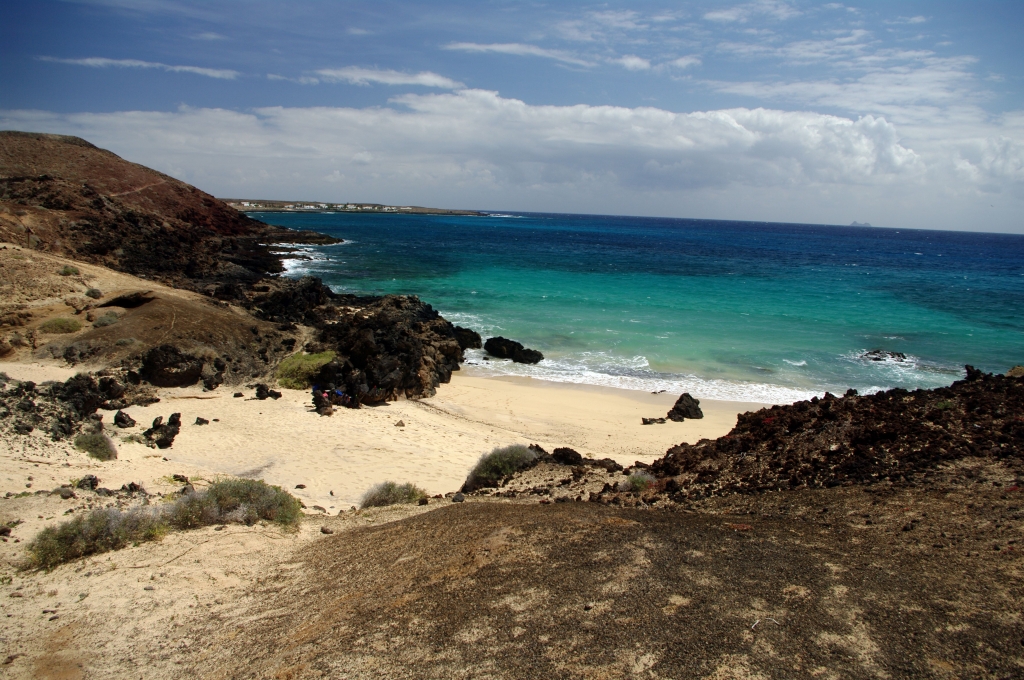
[904, 114]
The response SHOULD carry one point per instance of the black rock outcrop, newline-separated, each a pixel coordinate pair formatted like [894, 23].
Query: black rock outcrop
[685, 407]
[168, 366]
[504, 348]
[467, 338]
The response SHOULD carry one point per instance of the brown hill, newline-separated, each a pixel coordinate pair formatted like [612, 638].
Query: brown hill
[66, 196]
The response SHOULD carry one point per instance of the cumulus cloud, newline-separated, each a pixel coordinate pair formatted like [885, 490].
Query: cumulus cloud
[685, 62]
[632, 62]
[518, 49]
[102, 62]
[364, 76]
[475, 148]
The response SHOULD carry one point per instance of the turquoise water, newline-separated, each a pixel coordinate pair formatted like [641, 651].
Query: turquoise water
[727, 310]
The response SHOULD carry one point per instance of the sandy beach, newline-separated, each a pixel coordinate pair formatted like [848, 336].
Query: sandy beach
[285, 442]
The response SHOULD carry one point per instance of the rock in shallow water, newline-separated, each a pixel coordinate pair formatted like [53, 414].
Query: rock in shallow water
[504, 348]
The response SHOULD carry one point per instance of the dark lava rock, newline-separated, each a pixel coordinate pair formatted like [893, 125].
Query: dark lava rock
[892, 436]
[652, 421]
[883, 355]
[503, 348]
[685, 407]
[237, 394]
[167, 366]
[606, 464]
[23, 428]
[132, 487]
[201, 421]
[88, 483]
[65, 493]
[326, 530]
[459, 497]
[423, 501]
[467, 338]
[262, 392]
[123, 420]
[161, 434]
[300, 486]
[273, 394]
[566, 456]
[180, 478]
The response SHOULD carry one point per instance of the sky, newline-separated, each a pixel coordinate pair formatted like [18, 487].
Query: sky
[900, 114]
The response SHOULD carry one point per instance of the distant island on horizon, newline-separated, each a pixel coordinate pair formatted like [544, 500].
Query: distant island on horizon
[262, 205]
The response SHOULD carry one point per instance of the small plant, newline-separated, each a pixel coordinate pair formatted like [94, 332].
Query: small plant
[97, 445]
[943, 405]
[500, 463]
[124, 342]
[94, 293]
[68, 270]
[61, 324]
[229, 500]
[99, 531]
[638, 480]
[390, 493]
[297, 371]
[108, 319]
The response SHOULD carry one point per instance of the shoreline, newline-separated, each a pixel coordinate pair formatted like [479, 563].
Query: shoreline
[285, 443]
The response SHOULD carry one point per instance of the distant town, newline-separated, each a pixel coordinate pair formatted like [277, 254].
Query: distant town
[258, 205]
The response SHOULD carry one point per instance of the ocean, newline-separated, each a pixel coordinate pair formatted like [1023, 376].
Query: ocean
[739, 311]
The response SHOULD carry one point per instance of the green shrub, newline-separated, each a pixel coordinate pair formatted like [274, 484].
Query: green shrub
[101, 530]
[500, 463]
[94, 293]
[108, 319]
[390, 493]
[297, 371]
[638, 480]
[243, 501]
[97, 445]
[68, 270]
[61, 324]
[124, 342]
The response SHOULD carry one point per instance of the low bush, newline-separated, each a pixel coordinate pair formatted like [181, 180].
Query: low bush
[124, 342]
[391, 493]
[61, 324]
[97, 445]
[108, 319]
[296, 372]
[94, 293]
[243, 501]
[99, 531]
[637, 481]
[500, 463]
[68, 270]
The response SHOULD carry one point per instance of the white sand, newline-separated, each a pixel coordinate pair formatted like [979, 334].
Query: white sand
[284, 442]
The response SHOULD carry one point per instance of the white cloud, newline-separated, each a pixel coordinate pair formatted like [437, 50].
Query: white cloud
[364, 76]
[518, 49]
[357, 31]
[774, 9]
[686, 62]
[632, 62]
[474, 148]
[102, 62]
[209, 35]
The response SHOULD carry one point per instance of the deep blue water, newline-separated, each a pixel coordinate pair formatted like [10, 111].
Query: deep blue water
[733, 310]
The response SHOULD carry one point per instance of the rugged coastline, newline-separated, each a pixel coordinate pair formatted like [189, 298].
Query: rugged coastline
[826, 538]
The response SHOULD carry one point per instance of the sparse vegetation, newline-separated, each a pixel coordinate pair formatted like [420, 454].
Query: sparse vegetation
[243, 501]
[97, 445]
[99, 531]
[638, 480]
[94, 293]
[124, 342]
[108, 319]
[296, 372]
[391, 493]
[68, 270]
[500, 463]
[61, 324]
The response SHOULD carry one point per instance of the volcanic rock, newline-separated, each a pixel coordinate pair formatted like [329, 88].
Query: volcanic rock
[167, 366]
[503, 348]
[883, 355]
[685, 407]
[123, 420]
[566, 456]
[467, 338]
